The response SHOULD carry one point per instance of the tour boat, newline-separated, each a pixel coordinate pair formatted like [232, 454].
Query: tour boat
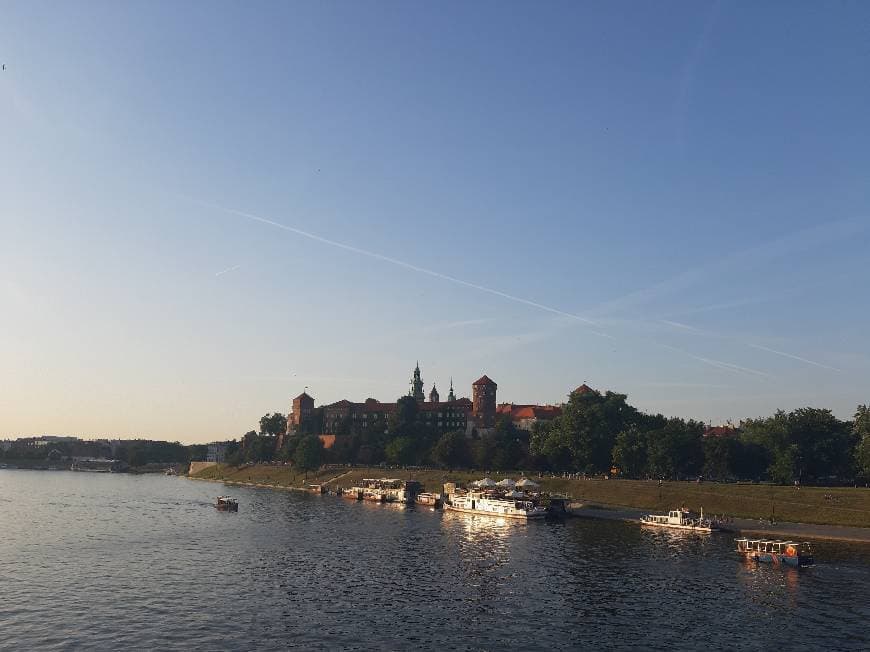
[778, 553]
[680, 519]
[478, 502]
[227, 504]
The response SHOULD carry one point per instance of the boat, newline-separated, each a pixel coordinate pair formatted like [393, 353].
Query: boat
[227, 504]
[779, 553]
[386, 490]
[429, 500]
[479, 502]
[680, 519]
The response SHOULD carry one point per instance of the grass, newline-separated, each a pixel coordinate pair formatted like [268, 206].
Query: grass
[845, 506]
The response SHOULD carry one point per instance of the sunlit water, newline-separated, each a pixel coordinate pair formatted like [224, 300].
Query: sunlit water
[92, 561]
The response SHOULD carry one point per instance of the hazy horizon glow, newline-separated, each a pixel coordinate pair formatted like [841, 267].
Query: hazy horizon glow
[206, 208]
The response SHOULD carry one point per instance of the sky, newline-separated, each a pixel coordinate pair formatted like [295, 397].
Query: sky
[206, 208]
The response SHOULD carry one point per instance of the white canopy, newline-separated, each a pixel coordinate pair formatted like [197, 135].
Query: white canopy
[507, 482]
[486, 482]
[515, 494]
[525, 482]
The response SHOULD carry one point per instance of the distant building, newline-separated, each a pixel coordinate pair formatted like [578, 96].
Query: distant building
[721, 431]
[483, 402]
[217, 452]
[525, 416]
[450, 415]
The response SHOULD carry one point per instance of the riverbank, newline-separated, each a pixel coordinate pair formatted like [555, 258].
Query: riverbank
[808, 511]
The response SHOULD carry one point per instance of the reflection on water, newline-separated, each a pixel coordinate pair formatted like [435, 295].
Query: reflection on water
[107, 562]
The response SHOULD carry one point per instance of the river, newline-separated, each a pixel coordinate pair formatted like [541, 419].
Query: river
[99, 561]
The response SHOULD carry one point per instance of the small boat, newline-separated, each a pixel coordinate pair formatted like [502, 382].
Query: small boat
[227, 504]
[428, 500]
[680, 519]
[776, 552]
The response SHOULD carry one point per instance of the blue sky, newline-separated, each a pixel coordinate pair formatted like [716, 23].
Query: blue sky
[467, 184]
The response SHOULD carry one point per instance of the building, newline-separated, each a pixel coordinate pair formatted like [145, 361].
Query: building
[525, 416]
[301, 410]
[217, 452]
[483, 402]
[345, 416]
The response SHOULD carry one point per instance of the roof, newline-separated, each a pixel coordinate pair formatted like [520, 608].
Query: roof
[462, 404]
[583, 389]
[720, 431]
[303, 395]
[484, 380]
[518, 412]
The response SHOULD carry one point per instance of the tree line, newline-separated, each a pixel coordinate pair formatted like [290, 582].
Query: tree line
[596, 434]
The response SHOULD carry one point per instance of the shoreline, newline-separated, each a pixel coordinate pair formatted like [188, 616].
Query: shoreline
[605, 511]
[742, 526]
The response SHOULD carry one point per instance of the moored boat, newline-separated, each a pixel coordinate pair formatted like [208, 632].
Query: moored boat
[429, 500]
[776, 552]
[227, 504]
[680, 519]
[386, 490]
[479, 502]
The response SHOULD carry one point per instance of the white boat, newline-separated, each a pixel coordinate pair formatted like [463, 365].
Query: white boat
[680, 519]
[477, 502]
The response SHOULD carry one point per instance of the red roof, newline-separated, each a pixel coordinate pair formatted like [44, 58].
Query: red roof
[484, 380]
[518, 412]
[583, 389]
[303, 395]
[720, 431]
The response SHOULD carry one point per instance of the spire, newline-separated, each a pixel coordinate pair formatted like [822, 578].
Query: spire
[417, 385]
[451, 396]
[433, 395]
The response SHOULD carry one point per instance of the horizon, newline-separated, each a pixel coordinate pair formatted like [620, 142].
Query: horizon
[200, 222]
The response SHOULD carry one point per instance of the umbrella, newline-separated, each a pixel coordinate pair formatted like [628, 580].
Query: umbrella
[507, 482]
[525, 482]
[486, 482]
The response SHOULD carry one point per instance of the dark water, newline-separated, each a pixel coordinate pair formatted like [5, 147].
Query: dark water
[111, 561]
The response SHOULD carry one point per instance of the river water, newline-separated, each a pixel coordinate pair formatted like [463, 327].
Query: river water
[93, 561]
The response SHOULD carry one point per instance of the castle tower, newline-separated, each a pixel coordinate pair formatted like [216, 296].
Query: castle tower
[433, 395]
[451, 396]
[417, 385]
[303, 406]
[483, 402]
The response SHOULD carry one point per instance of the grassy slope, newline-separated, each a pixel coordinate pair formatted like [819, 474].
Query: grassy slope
[805, 505]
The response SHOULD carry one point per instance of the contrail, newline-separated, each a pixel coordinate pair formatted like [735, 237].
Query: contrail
[228, 270]
[795, 357]
[677, 324]
[719, 364]
[406, 265]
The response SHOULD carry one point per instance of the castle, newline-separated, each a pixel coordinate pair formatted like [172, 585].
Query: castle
[479, 412]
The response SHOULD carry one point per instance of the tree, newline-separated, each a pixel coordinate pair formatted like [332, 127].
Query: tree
[452, 450]
[401, 451]
[630, 452]
[676, 449]
[861, 432]
[274, 424]
[308, 453]
[583, 437]
[720, 457]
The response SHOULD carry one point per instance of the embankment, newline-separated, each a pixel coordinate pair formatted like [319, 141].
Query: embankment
[823, 506]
